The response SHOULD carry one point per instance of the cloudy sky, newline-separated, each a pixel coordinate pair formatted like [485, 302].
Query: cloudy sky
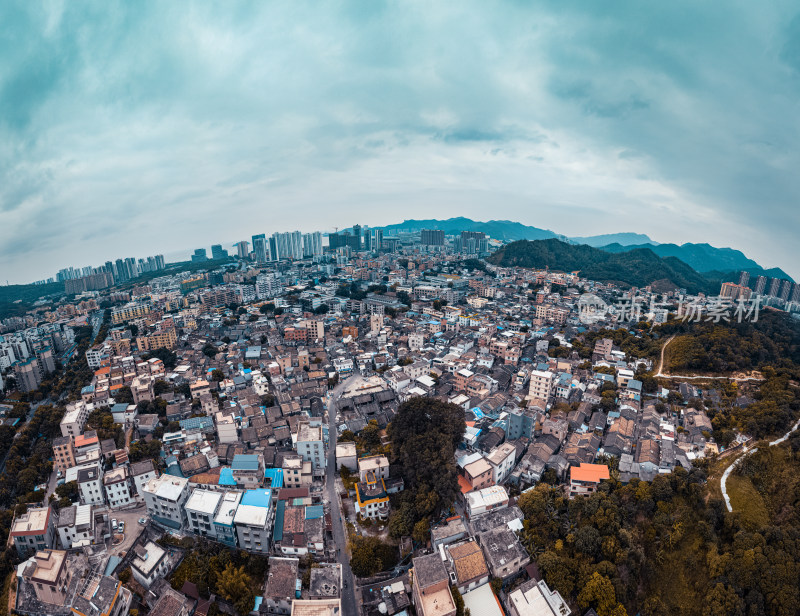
[128, 129]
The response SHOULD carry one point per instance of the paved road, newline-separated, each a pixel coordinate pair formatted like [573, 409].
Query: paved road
[339, 533]
[724, 480]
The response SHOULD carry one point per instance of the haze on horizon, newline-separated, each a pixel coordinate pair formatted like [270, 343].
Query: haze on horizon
[130, 129]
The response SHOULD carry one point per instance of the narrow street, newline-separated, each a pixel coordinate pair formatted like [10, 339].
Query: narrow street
[339, 531]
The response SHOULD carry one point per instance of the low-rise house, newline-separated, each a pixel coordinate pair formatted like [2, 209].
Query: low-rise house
[165, 497]
[150, 562]
[141, 472]
[468, 566]
[34, 530]
[283, 585]
[117, 487]
[49, 576]
[503, 551]
[75, 526]
[487, 499]
[431, 587]
[536, 599]
[585, 479]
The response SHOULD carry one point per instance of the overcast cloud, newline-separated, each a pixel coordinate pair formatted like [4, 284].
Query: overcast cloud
[129, 129]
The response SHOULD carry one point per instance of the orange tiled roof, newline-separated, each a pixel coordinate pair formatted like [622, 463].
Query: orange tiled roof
[589, 472]
[465, 485]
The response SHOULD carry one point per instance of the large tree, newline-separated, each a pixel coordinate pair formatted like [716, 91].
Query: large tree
[424, 435]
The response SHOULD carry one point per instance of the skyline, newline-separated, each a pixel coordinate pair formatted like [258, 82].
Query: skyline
[122, 133]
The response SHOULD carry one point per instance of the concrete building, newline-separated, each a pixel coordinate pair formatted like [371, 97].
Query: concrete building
[503, 551]
[34, 530]
[75, 418]
[346, 456]
[536, 599]
[253, 520]
[224, 527]
[431, 587]
[141, 472]
[248, 471]
[542, 385]
[502, 459]
[311, 446]
[116, 484]
[75, 526]
[90, 485]
[201, 509]
[584, 479]
[49, 576]
[282, 584]
[63, 453]
[165, 497]
[150, 562]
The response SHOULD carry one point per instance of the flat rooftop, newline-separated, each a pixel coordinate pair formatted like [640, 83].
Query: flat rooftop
[203, 501]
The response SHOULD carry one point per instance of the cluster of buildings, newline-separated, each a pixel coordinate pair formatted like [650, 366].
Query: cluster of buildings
[223, 377]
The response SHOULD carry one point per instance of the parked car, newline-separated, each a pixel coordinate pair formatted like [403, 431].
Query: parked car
[142, 521]
[122, 526]
[114, 523]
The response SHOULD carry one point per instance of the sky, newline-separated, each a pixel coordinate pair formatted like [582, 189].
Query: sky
[137, 128]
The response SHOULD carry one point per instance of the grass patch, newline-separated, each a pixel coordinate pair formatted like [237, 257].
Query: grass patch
[746, 501]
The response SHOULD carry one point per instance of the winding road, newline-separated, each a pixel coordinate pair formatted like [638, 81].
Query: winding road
[724, 480]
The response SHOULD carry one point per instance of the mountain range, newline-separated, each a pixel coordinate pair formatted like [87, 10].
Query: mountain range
[638, 267]
[716, 263]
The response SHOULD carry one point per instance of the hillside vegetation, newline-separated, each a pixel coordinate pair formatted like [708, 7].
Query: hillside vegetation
[639, 267]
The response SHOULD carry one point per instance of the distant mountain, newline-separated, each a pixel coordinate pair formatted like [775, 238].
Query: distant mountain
[704, 258]
[504, 230]
[639, 267]
[623, 239]
[715, 263]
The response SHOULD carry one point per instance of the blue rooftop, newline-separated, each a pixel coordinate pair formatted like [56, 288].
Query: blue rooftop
[275, 475]
[257, 498]
[314, 512]
[226, 477]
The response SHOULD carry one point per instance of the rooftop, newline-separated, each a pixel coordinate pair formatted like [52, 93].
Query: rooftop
[203, 501]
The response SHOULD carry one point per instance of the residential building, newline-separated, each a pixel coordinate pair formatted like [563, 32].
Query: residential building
[141, 472]
[49, 576]
[34, 530]
[585, 479]
[75, 526]
[63, 453]
[310, 445]
[253, 520]
[150, 562]
[282, 584]
[502, 459]
[223, 522]
[165, 498]
[503, 551]
[90, 485]
[534, 598]
[117, 487]
[431, 587]
[248, 470]
[468, 565]
[201, 509]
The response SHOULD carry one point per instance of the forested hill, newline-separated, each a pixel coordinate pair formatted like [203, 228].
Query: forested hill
[637, 268]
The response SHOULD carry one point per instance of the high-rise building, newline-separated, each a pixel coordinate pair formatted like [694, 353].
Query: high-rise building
[432, 237]
[786, 289]
[312, 244]
[260, 248]
[357, 236]
[242, 250]
[376, 240]
[796, 294]
[288, 245]
[734, 291]
[217, 252]
[761, 284]
[200, 254]
[774, 287]
[744, 279]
